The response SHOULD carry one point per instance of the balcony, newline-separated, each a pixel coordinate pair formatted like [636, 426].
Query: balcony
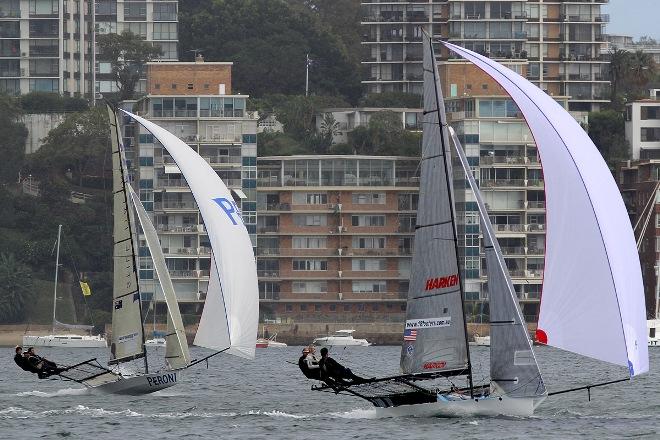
[536, 205]
[181, 228]
[535, 183]
[487, 183]
[513, 250]
[189, 274]
[508, 228]
[505, 160]
[536, 227]
[273, 273]
[270, 228]
[273, 207]
[173, 183]
[184, 206]
[535, 251]
[224, 160]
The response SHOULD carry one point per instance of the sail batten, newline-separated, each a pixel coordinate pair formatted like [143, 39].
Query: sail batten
[233, 258]
[592, 301]
[434, 332]
[127, 332]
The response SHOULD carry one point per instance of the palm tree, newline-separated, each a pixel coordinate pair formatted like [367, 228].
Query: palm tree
[642, 70]
[15, 288]
[619, 68]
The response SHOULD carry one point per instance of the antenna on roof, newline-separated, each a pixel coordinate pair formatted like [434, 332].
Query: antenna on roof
[197, 52]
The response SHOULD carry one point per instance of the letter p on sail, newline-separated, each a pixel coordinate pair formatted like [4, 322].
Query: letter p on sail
[229, 207]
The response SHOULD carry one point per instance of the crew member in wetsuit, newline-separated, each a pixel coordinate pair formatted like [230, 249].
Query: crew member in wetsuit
[309, 365]
[21, 360]
[332, 372]
[43, 366]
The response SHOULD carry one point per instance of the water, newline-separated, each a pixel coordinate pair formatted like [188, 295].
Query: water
[269, 399]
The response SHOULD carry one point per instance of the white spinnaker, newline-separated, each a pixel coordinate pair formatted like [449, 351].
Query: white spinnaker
[213, 323]
[177, 354]
[231, 247]
[593, 298]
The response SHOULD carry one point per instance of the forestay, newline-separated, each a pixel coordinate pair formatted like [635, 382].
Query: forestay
[434, 334]
[127, 334]
[233, 258]
[177, 354]
[593, 299]
[513, 366]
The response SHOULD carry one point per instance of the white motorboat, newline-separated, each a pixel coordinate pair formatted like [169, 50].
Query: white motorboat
[65, 340]
[271, 342]
[592, 230]
[69, 340]
[155, 342]
[340, 338]
[653, 326]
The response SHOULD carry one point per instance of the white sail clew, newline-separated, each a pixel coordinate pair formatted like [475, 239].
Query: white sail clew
[593, 299]
[233, 258]
[177, 354]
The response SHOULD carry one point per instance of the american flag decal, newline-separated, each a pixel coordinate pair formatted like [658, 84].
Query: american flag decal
[409, 335]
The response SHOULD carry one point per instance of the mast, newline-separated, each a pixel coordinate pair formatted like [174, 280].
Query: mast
[57, 267]
[442, 122]
[127, 318]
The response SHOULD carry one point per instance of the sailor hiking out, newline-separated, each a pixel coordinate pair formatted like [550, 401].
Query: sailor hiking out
[309, 364]
[30, 361]
[333, 373]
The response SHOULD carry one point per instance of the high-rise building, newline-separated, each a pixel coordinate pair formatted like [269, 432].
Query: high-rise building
[153, 21]
[46, 46]
[335, 237]
[555, 44]
[194, 102]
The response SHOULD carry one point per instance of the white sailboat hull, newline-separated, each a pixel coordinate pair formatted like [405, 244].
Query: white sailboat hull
[139, 385]
[65, 340]
[487, 406]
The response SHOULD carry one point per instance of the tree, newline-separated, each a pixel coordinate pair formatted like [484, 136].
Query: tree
[392, 99]
[128, 55]
[268, 41]
[46, 102]
[619, 61]
[12, 143]
[15, 288]
[607, 131]
[77, 144]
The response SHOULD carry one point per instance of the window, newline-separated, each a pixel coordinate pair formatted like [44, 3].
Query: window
[366, 286]
[165, 12]
[364, 264]
[44, 7]
[310, 220]
[165, 31]
[309, 287]
[269, 290]
[309, 242]
[310, 264]
[190, 86]
[310, 198]
[408, 201]
[368, 220]
[169, 50]
[368, 198]
[369, 242]
[138, 28]
[135, 11]
[44, 85]
[650, 112]
[650, 134]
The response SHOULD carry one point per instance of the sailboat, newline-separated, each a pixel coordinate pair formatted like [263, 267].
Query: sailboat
[587, 222]
[229, 319]
[69, 340]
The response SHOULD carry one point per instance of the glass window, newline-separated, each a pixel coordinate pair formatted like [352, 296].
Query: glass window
[165, 31]
[368, 286]
[368, 220]
[165, 11]
[369, 242]
[311, 264]
[135, 11]
[367, 264]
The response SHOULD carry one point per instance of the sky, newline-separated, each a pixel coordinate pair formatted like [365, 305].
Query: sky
[633, 17]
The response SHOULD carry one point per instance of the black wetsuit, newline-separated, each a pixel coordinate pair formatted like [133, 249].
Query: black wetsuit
[42, 367]
[308, 372]
[334, 371]
[22, 362]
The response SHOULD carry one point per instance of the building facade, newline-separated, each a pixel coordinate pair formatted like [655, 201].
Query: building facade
[643, 127]
[46, 46]
[155, 21]
[638, 182]
[194, 102]
[335, 237]
[555, 44]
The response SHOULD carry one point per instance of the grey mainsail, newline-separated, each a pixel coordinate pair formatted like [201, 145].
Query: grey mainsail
[513, 367]
[127, 332]
[435, 333]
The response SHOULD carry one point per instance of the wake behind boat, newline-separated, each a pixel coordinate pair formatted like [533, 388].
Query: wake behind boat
[590, 223]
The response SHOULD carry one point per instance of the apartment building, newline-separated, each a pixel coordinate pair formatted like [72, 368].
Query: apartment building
[642, 125]
[638, 182]
[335, 237]
[155, 21]
[46, 46]
[193, 101]
[555, 44]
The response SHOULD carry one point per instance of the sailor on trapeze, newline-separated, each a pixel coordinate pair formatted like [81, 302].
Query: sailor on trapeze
[29, 361]
[309, 364]
[334, 373]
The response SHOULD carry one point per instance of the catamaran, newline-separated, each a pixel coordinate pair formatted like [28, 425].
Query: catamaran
[587, 222]
[68, 340]
[229, 320]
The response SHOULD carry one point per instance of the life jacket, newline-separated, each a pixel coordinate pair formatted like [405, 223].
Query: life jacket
[302, 364]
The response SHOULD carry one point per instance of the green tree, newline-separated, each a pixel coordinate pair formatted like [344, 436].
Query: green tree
[392, 99]
[268, 41]
[77, 144]
[278, 144]
[12, 143]
[618, 67]
[607, 131]
[15, 288]
[45, 102]
[128, 55]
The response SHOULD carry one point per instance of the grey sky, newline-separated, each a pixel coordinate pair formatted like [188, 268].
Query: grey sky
[633, 17]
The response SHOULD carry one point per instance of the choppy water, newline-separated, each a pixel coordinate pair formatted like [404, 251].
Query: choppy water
[269, 399]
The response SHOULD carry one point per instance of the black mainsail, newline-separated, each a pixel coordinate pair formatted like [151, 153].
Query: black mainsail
[435, 334]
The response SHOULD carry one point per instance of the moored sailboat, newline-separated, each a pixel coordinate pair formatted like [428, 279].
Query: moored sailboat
[607, 293]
